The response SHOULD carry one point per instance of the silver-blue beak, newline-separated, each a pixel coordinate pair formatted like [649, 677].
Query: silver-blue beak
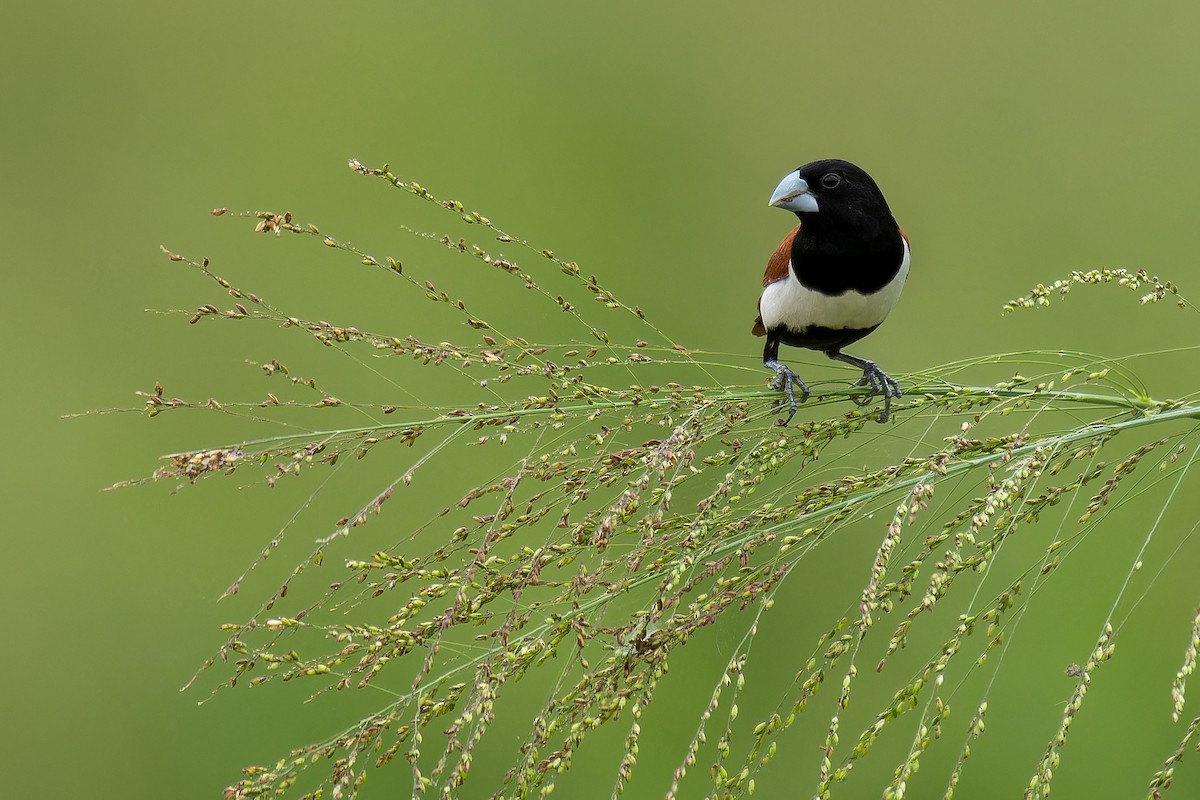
[792, 194]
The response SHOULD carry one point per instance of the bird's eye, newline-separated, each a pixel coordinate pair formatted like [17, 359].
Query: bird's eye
[831, 180]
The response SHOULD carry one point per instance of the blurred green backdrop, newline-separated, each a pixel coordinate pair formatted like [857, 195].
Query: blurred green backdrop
[1015, 141]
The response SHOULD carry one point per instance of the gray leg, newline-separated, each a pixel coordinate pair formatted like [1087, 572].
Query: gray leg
[875, 379]
[784, 378]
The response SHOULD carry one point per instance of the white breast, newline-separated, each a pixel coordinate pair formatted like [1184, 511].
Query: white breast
[789, 304]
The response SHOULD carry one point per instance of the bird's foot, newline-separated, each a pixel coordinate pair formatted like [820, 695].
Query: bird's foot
[877, 382]
[784, 381]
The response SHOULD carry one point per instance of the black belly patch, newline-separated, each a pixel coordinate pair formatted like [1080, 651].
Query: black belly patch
[816, 337]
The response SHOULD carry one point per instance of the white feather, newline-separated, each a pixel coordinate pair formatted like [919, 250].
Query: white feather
[789, 304]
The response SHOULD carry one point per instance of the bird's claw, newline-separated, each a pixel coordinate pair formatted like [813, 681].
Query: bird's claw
[784, 381]
[876, 382]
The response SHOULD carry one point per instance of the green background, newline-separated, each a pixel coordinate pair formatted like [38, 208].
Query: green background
[1014, 141]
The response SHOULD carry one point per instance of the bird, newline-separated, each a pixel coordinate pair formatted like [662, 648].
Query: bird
[834, 278]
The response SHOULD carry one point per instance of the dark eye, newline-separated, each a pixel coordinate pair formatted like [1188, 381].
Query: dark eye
[831, 180]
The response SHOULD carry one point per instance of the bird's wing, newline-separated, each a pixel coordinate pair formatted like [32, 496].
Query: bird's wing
[777, 264]
[777, 270]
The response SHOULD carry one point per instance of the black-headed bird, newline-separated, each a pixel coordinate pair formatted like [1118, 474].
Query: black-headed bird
[834, 278]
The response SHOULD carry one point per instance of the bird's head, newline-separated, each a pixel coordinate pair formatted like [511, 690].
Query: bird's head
[830, 188]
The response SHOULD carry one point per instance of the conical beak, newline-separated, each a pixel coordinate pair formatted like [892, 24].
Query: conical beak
[792, 194]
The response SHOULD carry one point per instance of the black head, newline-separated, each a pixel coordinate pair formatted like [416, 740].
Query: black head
[834, 191]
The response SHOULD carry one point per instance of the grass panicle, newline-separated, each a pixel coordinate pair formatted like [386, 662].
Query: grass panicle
[619, 496]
